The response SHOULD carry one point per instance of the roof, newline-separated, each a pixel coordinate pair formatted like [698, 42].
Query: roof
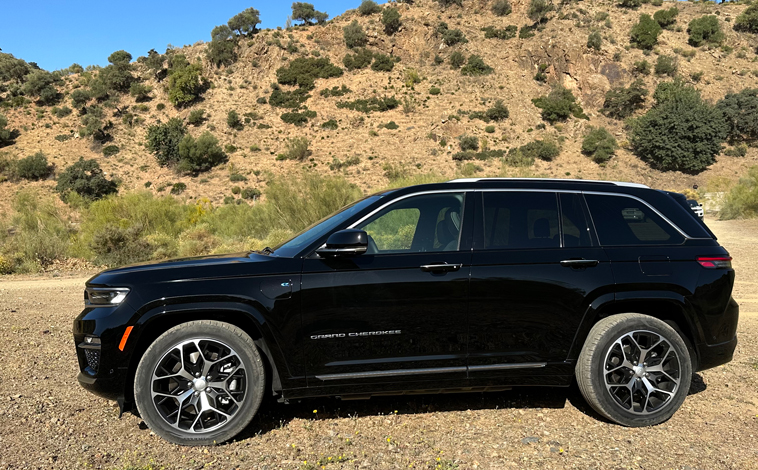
[555, 180]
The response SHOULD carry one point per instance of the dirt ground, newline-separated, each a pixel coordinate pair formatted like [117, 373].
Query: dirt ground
[48, 421]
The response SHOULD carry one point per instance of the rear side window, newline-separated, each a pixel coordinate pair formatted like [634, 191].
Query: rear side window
[576, 229]
[524, 220]
[621, 220]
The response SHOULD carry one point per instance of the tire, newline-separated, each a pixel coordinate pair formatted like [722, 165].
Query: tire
[617, 387]
[200, 383]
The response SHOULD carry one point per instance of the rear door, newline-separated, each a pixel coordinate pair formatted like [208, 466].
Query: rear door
[536, 267]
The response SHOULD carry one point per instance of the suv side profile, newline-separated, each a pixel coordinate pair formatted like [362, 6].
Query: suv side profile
[473, 284]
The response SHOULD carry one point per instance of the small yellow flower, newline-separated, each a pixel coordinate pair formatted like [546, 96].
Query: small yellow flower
[315, 411]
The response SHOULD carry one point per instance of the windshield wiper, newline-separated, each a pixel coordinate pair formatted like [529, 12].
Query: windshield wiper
[266, 251]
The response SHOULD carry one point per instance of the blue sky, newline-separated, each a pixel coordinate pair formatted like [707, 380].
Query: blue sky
[56, 34]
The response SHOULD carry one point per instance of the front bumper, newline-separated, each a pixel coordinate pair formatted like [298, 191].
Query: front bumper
[111, 388]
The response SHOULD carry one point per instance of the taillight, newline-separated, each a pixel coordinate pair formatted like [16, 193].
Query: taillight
[714, 262]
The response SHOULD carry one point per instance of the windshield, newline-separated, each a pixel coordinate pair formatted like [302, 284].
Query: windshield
[322, 227]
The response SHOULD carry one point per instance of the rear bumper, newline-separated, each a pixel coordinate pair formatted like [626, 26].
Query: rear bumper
[712, 355]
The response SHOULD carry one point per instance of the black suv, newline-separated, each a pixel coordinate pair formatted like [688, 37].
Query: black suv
[475, 285]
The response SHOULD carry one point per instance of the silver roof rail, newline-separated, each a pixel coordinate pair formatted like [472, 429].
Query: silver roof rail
[558, 180]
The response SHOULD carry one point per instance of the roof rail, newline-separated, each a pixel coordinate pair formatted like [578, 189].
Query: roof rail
[558, 180]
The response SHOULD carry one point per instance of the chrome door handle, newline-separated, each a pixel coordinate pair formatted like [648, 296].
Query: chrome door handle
[441, 267]
[580, 263]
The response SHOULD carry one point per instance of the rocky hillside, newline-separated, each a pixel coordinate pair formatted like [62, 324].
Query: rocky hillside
[437, 103]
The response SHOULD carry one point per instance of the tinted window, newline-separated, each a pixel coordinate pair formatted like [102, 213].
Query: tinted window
[576, 229]
[520, 220]
[622, 220]
[426, 223]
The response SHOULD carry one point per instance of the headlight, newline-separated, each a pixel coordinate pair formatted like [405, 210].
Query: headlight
[105, 295]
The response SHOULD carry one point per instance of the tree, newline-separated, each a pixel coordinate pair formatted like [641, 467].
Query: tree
[599, 144]
[620, 102]
[559, 105]
[221, 49]
[7, 136]
[185, 86]
[12, 69]
[644, 34]
[391, 20]
[86, 179]
[199, 154]
[41, 85]
[306, 13]
[354, 35]
[369, 7]
[740, 112]
[680, 132]
[538, 10]
[747, 21]
[246, 21]
[705, 29]
[120, 58]
[140, 91]
[163, 141]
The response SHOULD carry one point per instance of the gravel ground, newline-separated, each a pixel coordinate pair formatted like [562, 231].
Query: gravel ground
[47, 421]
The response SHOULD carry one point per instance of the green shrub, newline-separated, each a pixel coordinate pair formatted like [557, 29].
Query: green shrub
[538, 10]
[489, 129]
[369, 7]
[330, 124]
[456, 59]
[79, 98]
[469, 142]
[741, 202]
[373, 104]
[201, 154]
[382, 63]
[736, 151]
[680, 132]
[391, 20]
[449, 3]
[508, 32]
[644, 34]
[110, 150]
[297, 148]
[666, 18]
[501, 8]
[306, 13]
[354, 35]
[298, 118]
[599, 144]
[34, 167]
[160, 107]
[451, 37]
[705, 29]
[236, 178]
[474, 155]
[221, 49]
[86, 179]
[390, 125]
[498, 111]
[594, 40]
[61, 112]
[233, 120]
[666, 65]
[642, 67]
[747, 21]
[360, 60]
[178, 188]
[434, 91]
[303, 72]
[620, 102]
[185, 85]
[740, 112]
[476, 66]
[630, 3]
[163, 141]
[546, 150]
[335, 91]
[526, 32]
[41, 84]
[196, 117]
[7, 136]
[140, 92]
[288, 99]
[245, 22]
[250, 193]
[559, 105]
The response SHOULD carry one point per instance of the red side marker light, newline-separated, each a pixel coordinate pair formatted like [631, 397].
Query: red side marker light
[713, 262]
[122, 344]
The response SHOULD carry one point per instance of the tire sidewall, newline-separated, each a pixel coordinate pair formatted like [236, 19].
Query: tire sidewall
[607, 402]
[224, 333]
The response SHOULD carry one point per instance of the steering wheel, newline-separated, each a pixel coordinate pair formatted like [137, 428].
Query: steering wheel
[372, 248]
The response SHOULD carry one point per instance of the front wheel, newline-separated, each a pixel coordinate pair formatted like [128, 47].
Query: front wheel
[200, 383]
[634, 370]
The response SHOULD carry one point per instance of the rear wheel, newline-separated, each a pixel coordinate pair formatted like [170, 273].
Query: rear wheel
[200, 383]
[634, 369]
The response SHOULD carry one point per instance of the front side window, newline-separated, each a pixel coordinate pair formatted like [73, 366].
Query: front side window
[621, 220]
[520, 220]
[427, 223]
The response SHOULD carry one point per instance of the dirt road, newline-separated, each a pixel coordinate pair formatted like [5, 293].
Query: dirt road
[47, 421]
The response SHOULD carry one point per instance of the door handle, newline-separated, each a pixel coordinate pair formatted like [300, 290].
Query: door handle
[441, 267]
[580, 263]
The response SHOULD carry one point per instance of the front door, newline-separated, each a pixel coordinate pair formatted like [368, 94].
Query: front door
[397, 313]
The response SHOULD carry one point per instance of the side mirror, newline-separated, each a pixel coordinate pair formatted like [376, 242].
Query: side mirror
[348, 242]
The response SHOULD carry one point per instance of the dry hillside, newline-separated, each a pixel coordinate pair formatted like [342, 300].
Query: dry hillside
[414, 147]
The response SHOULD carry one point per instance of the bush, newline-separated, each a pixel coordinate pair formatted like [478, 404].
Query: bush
[666, 18]
[233, 120]
[538, 10]
[526, 32]
[110, 150]
[86, 179]
[599, 144]
[489, 129]
[630, 3]
[680, 132]
[40, 84]
[245, 22]
[620, 102]
[196, 117]
[201, 154]
[391, 20]
[456, 59]
[740, 112]
[303, 72]
[79, 98]
[306, 13]
[411, 77]
[163, 141]
[61, 112]
[178, 188]
[354, 35]
[140, 92]
[7, 136]
[476, 66]
[184, 85]
[644, 34]
[559, 105]
[434, 91]
[451, 37]
[369, 7]
[373, 104]
[34, 167]
[250, 193]
[382, 63]
[297, 148]
[335, 91]
[666, 65]
[449, 3]
[298, 118]
[288, 99]
[469, 142]
[502, 8]
[705, 29]
[360, 60]
[331, 124]
[546, 150]
[742, 201]
[498, 112]
[642, 67]
[508, 32]
[747, 21]
[594, 40]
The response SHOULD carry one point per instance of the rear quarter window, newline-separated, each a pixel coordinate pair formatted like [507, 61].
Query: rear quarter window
[621, 220]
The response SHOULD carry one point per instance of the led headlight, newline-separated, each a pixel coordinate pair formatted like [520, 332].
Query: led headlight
[105, 295]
